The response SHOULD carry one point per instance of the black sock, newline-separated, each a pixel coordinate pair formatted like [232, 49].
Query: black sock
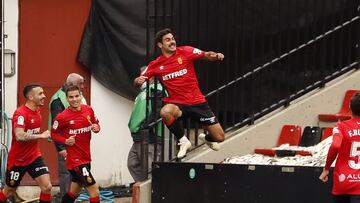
[68, 198]
[177, 129]
[209, 138]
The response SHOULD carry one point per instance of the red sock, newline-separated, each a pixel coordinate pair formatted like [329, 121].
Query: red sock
[2, 197]
[95, 199]
[71, 195]
[45, 197]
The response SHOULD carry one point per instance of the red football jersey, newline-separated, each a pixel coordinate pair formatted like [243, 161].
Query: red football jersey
[23, 153]
[178, 75]
[78, 123]
[346, 142]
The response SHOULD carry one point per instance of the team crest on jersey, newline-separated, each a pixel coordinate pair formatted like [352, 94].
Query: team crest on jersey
[72, 122]
[55, 125]
[89, 179]
[32, 120]
[180, 60]
[20, 120]
[161, 67]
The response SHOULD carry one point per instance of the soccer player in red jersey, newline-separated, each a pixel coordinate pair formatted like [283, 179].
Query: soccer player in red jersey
[25, 155]
[346, 147]
[175, 70]
[73, 127]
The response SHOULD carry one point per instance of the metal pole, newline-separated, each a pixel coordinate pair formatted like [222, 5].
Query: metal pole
[2, 73]
[2, 131]
[144, 150]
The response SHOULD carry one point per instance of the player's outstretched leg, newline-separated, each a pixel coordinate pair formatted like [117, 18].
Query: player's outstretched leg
[213, 145]
[169, 114]
[216, 135]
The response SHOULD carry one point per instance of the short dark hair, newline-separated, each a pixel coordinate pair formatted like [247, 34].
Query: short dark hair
[355, 104]
[160, 34]
[71, 88]
[29, 87]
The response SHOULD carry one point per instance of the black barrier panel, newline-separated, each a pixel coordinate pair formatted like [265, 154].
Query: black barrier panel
[228, 183]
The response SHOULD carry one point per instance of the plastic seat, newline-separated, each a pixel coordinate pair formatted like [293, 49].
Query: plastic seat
[344, 113]
[311, 136]
[290, 134]
[326, 132]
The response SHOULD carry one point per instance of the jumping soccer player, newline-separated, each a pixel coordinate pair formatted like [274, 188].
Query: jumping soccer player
[73, 127]
[346, 147]
[175, 70]
[25, 155]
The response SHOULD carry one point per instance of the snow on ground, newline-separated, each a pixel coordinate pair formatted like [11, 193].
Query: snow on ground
[317, 158]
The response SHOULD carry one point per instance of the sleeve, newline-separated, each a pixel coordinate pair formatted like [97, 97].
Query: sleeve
[334, 147]
[56, 107]
[19, 120]
[57, 129]
[94, 119]
[193, 53]
[149, 70]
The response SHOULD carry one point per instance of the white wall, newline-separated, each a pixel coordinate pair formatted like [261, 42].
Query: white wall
[11, 16]
[110, 147]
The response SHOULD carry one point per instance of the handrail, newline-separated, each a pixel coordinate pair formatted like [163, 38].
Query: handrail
[281, 57]
[270, 63]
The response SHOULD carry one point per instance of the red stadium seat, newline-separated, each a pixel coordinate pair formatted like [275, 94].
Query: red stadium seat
[290, 134]
[344, 113]
[326, 132]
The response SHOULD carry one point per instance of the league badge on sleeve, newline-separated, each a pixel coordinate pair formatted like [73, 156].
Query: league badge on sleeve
[197, 51]
[55, 125]
[20, 120]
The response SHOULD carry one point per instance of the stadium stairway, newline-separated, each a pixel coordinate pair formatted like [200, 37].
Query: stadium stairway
[264, 133]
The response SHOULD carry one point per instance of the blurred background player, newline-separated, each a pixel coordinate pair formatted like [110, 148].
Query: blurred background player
[346, 147]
